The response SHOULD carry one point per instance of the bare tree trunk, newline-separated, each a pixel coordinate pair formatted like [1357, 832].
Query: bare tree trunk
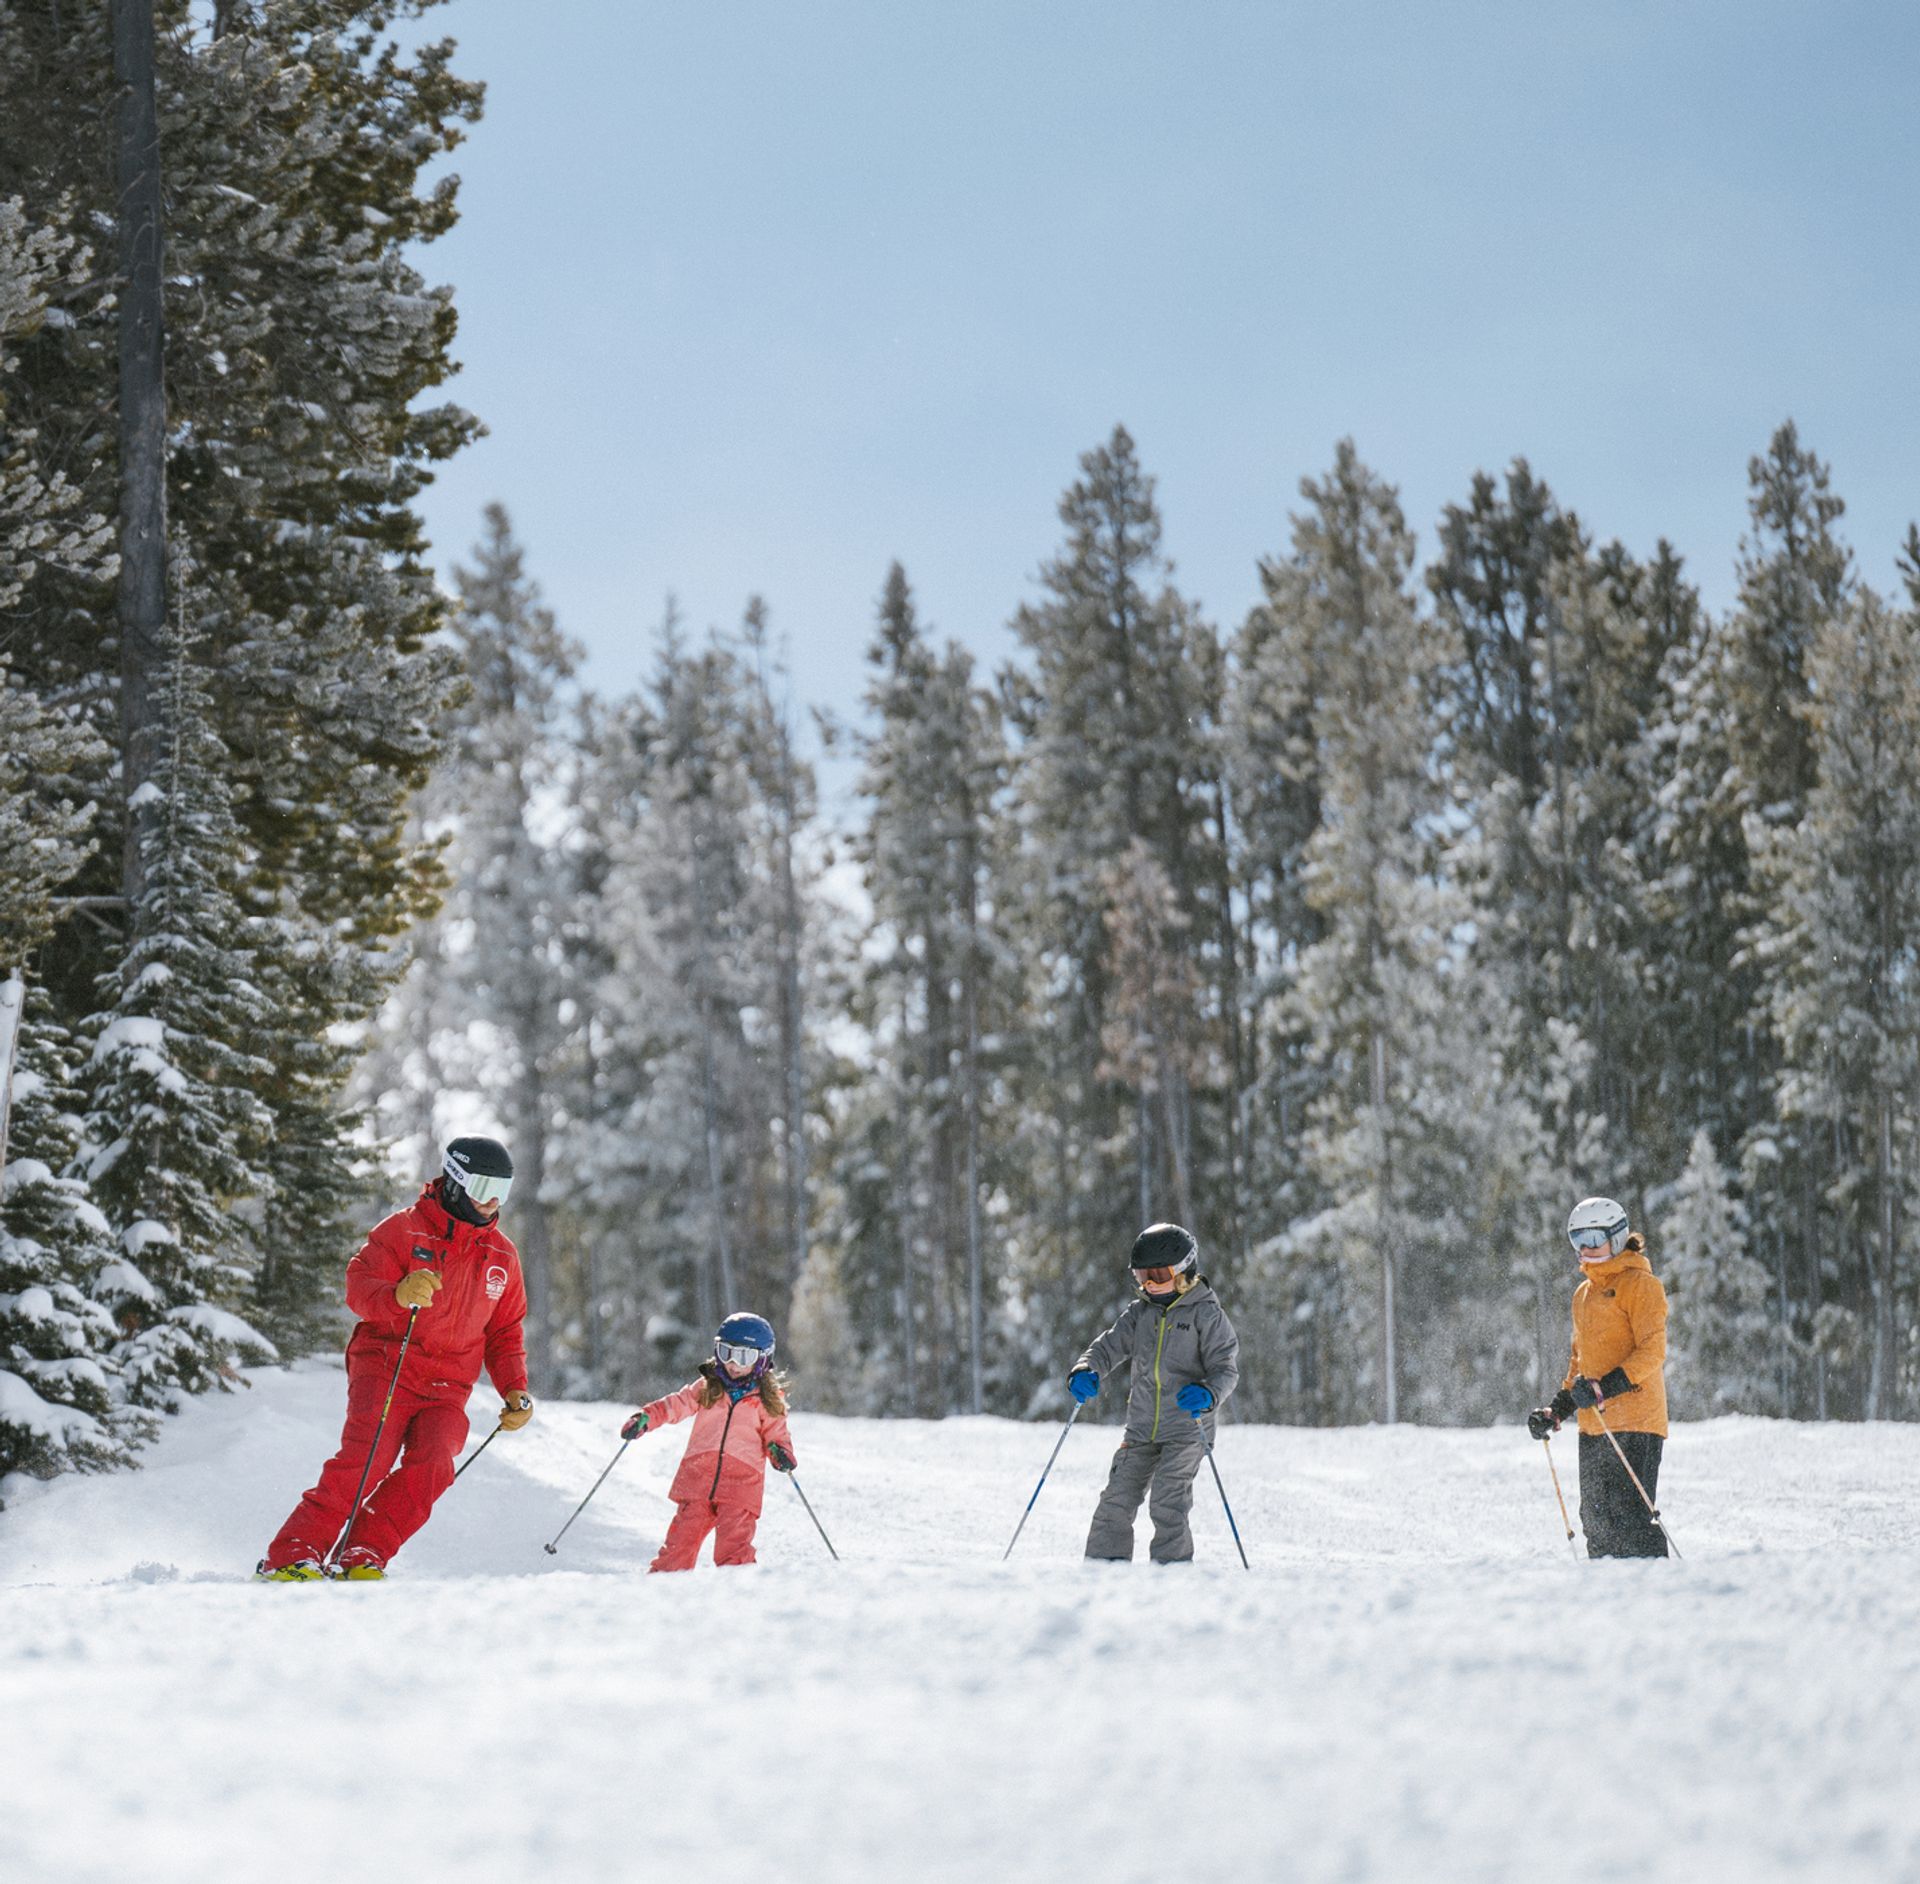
[721, 1252]
[1883, 1390]
[903, 1209]
[1230, 1002]
[1389, 1345]
[792, 1028]
[976, 1307]
[533, 1220]
[13, 1013]
[143, 435]
[1143, 1154]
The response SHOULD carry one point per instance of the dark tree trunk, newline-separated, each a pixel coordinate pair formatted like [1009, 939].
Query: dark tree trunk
[143, 433]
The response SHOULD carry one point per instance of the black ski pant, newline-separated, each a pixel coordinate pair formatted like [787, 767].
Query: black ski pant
[1139, 1467]
[1611, 1514]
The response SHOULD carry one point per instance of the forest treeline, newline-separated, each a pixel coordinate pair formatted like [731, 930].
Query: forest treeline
[1362, 935]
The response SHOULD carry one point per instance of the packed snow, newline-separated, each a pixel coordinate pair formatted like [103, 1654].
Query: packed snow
[1416, 1680]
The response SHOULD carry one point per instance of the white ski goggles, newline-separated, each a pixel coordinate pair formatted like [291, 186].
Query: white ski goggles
[1590, 1236]
[484, 1190]
[738, 1355]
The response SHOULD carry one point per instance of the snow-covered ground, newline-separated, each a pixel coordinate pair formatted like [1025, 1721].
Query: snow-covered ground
[1414, 1683]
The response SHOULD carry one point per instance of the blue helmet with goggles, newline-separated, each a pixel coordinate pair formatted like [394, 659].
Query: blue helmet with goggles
[744, 1346]
[481, 1167]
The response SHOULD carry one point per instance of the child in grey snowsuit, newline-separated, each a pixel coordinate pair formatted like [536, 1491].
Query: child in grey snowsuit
[1185, 1359]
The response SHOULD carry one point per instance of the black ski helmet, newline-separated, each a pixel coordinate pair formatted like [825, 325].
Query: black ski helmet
[1164, 1246]
[467, 1159]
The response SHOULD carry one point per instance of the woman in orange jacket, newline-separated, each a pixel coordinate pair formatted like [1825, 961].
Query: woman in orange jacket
[739, 1411]
[1616, 1382]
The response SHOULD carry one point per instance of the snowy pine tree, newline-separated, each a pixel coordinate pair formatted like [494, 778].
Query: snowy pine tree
[177, 1136]
[1114, 725]
[1842, 887]
[1427, 1170]
[1720, 1356]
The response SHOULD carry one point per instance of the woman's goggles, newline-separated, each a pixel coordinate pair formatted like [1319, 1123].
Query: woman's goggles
[486, 1190]
[1589, 1238]
[737, 1356]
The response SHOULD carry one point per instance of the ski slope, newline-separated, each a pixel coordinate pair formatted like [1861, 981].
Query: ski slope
[1415, 1681]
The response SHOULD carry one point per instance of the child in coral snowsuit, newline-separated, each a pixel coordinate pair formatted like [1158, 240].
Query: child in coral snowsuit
[739, 1413]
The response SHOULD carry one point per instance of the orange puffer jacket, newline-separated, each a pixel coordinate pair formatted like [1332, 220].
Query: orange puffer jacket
[726, 1460]
[1620, 1320]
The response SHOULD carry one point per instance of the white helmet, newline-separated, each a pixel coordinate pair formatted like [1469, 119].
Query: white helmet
[1596, 1224]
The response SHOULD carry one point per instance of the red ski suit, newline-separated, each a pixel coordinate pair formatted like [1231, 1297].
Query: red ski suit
[723, 1476]
[476, 1317]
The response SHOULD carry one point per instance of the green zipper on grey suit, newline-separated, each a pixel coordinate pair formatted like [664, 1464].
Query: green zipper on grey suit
[1159, 1341]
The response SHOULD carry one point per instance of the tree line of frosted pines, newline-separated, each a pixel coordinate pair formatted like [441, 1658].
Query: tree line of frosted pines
[1362, 938]
[1361, 935]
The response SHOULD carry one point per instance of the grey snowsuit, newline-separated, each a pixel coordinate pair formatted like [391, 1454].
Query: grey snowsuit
[1170, 1345]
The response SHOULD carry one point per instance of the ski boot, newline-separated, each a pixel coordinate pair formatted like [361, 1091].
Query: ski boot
[305, 1570]
[359, 1565]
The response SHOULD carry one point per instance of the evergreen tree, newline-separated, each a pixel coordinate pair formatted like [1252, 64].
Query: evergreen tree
[1842, 886]
[1115, 722]
[299, 340]
[512, 897]
[1427, 1170]
[177, 1134]
[909, 1216]
[1720, 1358]
[63, 1402]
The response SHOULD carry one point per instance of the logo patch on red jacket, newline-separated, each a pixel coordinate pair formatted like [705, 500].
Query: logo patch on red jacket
[496, 1282]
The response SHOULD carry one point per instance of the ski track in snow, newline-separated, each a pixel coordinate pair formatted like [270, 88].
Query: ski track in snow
[1415, 1682]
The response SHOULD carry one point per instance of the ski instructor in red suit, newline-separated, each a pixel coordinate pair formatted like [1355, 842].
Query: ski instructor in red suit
[446, 1258]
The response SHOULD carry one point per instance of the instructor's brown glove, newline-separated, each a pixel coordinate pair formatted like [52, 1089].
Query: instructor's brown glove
[416, 1289]
[516, 1413]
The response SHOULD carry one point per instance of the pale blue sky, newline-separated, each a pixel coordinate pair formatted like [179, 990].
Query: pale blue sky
[757, 297]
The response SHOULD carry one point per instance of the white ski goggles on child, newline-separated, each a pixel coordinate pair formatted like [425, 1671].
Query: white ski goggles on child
[738, 1355]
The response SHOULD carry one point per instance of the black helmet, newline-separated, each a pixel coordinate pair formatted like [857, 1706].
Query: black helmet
[480, 1166]
[1164, 1246]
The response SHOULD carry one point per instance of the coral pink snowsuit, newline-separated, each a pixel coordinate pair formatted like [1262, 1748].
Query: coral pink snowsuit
[723, 1477]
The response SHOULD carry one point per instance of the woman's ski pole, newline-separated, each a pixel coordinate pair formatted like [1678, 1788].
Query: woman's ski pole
[554, 1548]
[1560, 1500]
[1627, 1465]
[1224, 1506]
[1035, 1499]
[476, 1452]
[380, 1426]
[793, 1479]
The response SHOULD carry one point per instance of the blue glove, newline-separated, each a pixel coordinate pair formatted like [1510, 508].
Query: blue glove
[1194, 1398]
[1083, 1385]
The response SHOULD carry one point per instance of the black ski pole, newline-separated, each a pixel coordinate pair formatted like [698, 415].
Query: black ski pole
[476, 1452]
[1035, 1499]
[793, 1479]
[553, 1549]
[1224, 1506]
[346, 1536]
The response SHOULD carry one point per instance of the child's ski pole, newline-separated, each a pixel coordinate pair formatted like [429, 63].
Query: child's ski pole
[553, 1549]
[1035, 1499]
[1224, 1506]
[793, 1479]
